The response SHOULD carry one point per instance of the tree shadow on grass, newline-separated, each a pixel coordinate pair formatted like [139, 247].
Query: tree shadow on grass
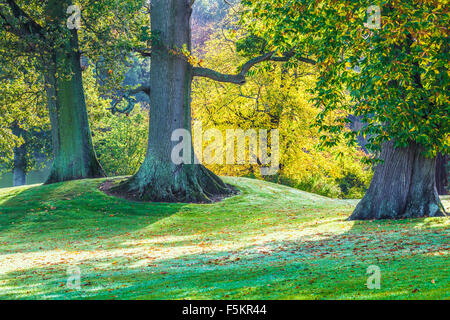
[411, 257]
[72, 212]
[284, 274]
[131, 250]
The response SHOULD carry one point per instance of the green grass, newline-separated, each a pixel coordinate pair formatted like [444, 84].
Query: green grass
[269, 242]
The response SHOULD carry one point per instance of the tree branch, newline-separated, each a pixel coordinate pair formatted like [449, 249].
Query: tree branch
[230, 5]
[240, 77]
[9, 24]
[130, 101]
[29, 27]
[143, 52]
[231, 78]
[290, 55]
[143, 88]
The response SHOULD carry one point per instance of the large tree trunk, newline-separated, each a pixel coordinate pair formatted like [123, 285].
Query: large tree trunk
[442, 174]
[403, 186]
[74, 156]
[159, 178]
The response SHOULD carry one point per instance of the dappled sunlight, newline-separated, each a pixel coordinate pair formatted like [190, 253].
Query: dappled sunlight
[9, 193]
[443, 252]
[160, 240]
[163, 248]
[432, 223]
[446, 203]
[229, 249]
[176, 255]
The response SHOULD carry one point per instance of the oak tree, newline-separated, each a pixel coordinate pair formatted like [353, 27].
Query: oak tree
[385, 63]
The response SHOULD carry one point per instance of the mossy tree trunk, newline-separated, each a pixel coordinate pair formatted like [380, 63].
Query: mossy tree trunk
[74, 156]
[159, 178]
[403, 186]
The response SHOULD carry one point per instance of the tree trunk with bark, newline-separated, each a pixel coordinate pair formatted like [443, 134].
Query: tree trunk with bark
[442, 174]
[159, 178]
[20, 160]
[403, 186]
[74, 155]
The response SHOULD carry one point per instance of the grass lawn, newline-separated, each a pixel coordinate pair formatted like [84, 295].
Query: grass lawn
[269, 242]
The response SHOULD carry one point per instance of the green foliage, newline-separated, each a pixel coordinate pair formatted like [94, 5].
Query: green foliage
[23, 116]
[113, 30]
[250, 45]
[402, 90]
[276, 97]
[121, 141]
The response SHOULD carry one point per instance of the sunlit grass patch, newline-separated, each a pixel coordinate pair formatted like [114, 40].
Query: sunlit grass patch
[269, 242]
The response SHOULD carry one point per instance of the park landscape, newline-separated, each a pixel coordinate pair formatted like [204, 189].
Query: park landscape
[343, 196]
[269, 242]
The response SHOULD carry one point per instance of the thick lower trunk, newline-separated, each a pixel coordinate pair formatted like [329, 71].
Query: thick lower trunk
[74, 156]
[161, 181]
[403, 186]
[159, 178]
[442, 174]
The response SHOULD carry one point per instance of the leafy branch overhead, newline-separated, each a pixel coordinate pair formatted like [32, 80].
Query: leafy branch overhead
[240, 77]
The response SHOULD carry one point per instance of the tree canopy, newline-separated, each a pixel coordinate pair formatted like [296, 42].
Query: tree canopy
[395, 77]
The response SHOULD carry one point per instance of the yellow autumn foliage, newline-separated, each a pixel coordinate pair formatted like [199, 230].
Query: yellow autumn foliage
[276, 96]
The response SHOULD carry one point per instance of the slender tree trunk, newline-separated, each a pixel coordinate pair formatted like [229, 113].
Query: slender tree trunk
[442, 174]
[159, 179]
[403, 186]
[20, 161]
[20, 167]
[74, 156]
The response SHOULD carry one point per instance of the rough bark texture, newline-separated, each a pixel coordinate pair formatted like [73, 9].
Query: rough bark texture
[442, 174]
[74, 156]
[403, 186]
[159, 179]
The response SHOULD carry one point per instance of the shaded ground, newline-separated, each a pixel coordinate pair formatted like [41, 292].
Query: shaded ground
[270, 242]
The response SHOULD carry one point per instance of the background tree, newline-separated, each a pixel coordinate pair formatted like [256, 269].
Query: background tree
[40, 32]
[30, 155]
[24, 119]
[56, 51]
[400, 89]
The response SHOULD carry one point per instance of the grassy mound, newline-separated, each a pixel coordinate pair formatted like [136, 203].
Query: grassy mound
[269, 242]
